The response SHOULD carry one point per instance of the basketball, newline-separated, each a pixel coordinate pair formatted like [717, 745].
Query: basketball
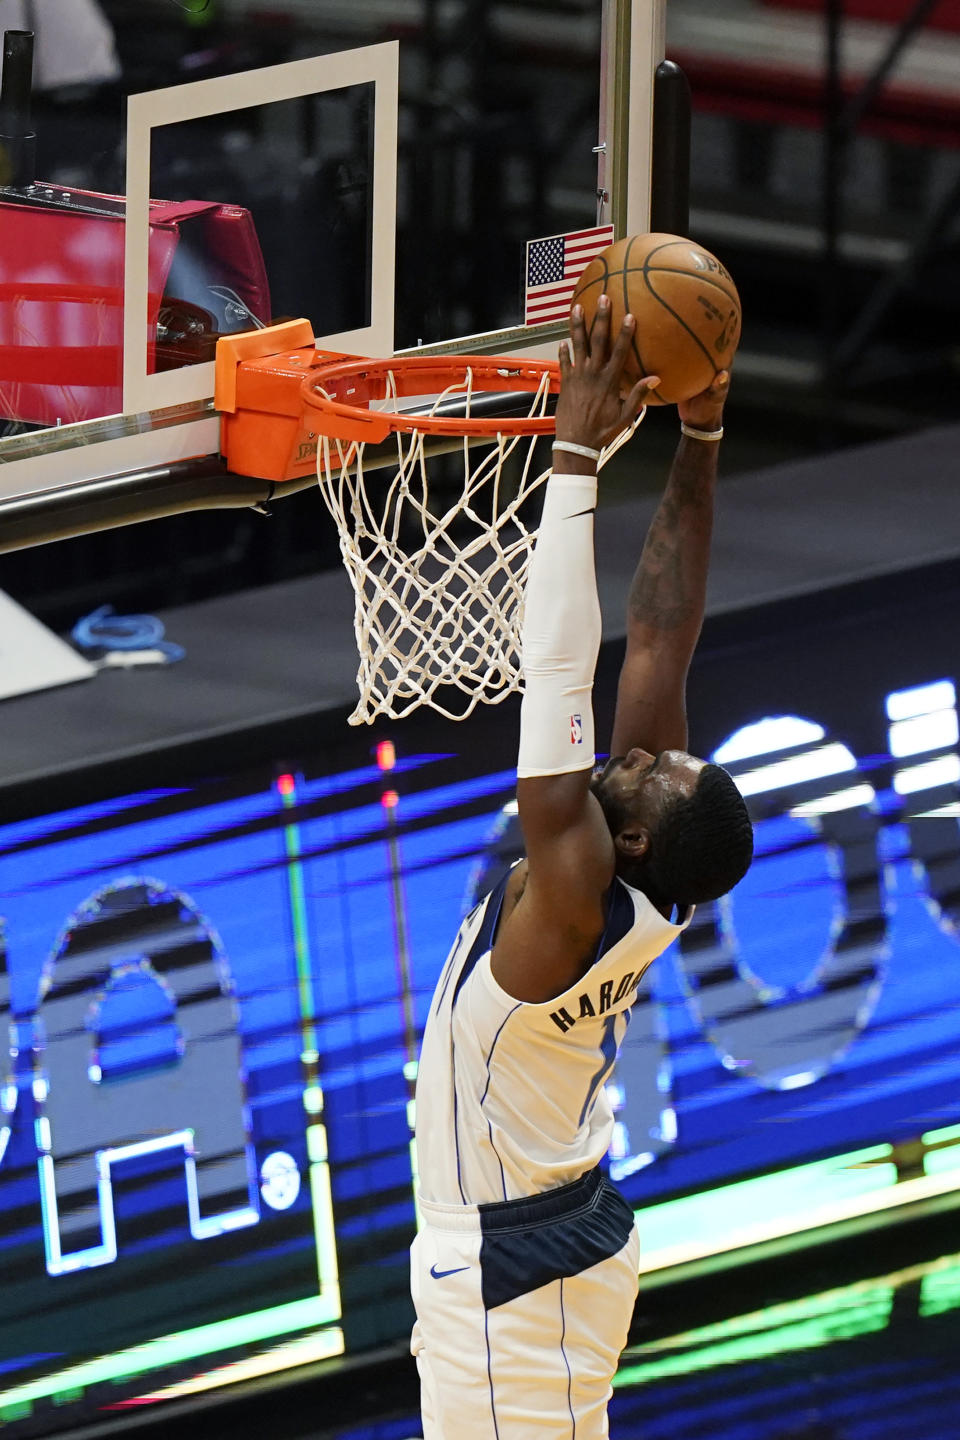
[685, 304]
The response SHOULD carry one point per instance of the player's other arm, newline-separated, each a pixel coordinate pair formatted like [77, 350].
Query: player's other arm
[667, 597]
[546, 940]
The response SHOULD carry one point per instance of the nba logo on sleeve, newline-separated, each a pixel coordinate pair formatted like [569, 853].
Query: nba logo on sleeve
[576, 730]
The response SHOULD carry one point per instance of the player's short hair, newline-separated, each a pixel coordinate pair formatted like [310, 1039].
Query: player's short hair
[703, 844]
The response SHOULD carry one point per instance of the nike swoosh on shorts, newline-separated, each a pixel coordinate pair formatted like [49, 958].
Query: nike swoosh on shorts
[439, 1274]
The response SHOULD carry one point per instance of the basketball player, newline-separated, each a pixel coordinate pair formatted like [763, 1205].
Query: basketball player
[524, 1274]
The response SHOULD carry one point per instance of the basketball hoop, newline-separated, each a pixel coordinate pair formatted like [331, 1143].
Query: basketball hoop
[438, 571]
[344, 391]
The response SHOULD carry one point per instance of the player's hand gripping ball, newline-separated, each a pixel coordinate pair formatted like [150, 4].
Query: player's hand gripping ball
[685, 304]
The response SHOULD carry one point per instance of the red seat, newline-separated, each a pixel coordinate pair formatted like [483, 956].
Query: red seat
[782, 94]
[945, 16]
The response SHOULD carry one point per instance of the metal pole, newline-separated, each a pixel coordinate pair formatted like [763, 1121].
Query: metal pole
[670, 178]
[861, 102]
[91, 505]
[648, 25]
[612, 150]
[833, 157]
[18, 141]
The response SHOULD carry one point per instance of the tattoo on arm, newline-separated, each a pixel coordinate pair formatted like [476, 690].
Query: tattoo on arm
[669, 587]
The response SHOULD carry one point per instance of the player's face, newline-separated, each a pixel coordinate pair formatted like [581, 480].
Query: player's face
[642, 785]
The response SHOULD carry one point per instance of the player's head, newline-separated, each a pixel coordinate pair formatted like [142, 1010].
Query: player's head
[680, 827]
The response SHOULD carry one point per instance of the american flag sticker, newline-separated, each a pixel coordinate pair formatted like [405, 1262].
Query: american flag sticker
[576, 730]
[554, 265]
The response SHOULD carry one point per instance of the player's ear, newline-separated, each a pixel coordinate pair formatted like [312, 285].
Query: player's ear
[633, 842]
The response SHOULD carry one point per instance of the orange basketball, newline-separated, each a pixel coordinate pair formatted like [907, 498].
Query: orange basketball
[685, 304]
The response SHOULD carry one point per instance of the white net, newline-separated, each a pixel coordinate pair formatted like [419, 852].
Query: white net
[438, 570]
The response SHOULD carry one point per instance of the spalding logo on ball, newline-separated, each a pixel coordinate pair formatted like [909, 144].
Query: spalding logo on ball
[685, 304]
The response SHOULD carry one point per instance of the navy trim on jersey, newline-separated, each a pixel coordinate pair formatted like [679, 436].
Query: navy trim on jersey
[621, 918]
[608, 1049]
[563, 1336]
[483, 940]
[481, 944]
[493, 1407]
[531, 1242]
[442, 988]
[456, 1131]
[503, 1178]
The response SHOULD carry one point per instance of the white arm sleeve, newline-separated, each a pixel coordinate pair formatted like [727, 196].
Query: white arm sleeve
[561, 634]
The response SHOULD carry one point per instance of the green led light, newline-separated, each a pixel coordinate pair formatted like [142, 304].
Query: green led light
[301, 946]
[766, 1341]
[317, 1144]
[937, 1162]
[947, 1156]
[324, 1236]
[9, 1413]
[937, 1137]
[313, 1100]
[173, 1349]
[68, 1397]
[814, 1320]
[713, 1215]
[940, 1290]
[325, 1243]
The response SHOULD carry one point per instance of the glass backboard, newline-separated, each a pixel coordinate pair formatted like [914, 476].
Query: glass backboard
[377, 169]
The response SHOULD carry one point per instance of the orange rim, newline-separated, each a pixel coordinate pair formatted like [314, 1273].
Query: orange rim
[343, 418]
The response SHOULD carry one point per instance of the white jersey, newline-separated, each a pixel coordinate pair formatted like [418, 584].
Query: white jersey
[510, 1095]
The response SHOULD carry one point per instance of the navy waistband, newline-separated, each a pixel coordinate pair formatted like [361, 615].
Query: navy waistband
[541, 1209]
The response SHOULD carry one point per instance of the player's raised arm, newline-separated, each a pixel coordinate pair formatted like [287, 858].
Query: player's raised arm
[546, 940]
[666, 601]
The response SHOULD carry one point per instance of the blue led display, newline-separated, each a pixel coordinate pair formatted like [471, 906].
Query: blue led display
[215, 997]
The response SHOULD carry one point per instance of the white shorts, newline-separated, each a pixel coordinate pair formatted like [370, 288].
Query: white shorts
[523, 1309]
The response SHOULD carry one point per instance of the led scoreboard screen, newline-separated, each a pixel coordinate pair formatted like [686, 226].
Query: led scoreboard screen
[214, 995]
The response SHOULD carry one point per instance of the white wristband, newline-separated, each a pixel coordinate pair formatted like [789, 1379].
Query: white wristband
[573, 449]
[701, 434]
